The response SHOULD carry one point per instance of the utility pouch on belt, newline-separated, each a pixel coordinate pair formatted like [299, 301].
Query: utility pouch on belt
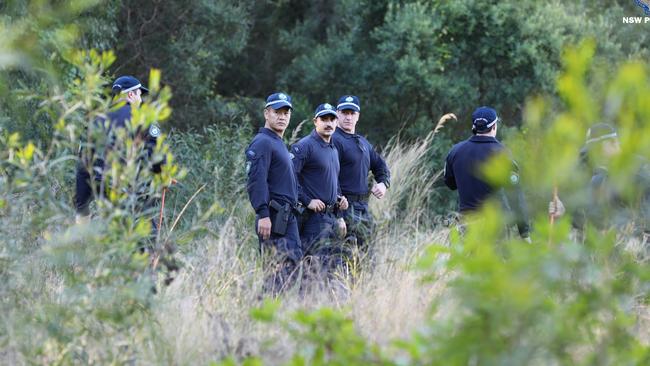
[302, 215]
[279, 223]
[299, 209]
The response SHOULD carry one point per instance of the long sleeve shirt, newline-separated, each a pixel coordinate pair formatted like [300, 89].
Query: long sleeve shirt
[270, 172]
[317, 167]
[357, 157]
[462, 173]
[103, 131]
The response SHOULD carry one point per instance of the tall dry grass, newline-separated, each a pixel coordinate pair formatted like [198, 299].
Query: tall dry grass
[205, 314]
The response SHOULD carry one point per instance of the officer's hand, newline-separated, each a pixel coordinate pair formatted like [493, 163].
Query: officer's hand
[316, 205]
[379, 190]
[264, 227]
[556, 208]
[343, 229]
[343, 203]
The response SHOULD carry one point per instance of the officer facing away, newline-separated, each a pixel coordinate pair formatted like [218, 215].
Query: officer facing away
[357, 157]
[605, 206]
[272, 190]
[93, 157]
[463, 164]
[316, 163]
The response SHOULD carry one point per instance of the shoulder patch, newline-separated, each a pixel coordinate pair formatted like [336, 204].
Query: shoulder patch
[296, 149]
[154, 130]
[251, 154]
[514, 178]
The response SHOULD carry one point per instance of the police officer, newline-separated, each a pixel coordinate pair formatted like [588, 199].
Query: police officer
[102, 136]
[605, 206]
[357, 157]
[272, 190]
[463, 164]
[316, 163]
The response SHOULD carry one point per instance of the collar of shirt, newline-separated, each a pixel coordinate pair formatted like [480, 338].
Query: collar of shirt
[126, 106]
[268, 132]
[345, 134]
[320, 140]
[352, 136]
[482, 139]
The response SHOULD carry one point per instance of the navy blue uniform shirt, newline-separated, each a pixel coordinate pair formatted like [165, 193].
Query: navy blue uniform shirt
[114, 120]
[117, 119]
[316, 163]
[462, 170]
[270, 172]
[357, 157]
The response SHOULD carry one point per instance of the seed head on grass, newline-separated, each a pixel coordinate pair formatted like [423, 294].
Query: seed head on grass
[295, 135]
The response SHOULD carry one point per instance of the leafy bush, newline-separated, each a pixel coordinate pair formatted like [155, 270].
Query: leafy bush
[570, 297]
[95, 281]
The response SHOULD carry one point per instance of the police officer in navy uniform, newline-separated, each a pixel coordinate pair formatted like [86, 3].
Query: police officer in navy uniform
[605, 206]
[102, 138]
[357, 157]
[273, 193]
[463, 164]
[316, 163]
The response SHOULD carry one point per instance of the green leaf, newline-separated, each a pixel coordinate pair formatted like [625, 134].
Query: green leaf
[266, 312]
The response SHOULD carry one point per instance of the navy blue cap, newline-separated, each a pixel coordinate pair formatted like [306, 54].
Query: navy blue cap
[324, 109]
[125, 84]
[484, 118]
[349, 102]
[278, 100]
[600, 132]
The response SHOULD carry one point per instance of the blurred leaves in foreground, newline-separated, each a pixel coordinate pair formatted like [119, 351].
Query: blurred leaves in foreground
[573, 296]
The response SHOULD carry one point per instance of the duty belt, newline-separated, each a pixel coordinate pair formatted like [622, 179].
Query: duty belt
[356, 197]
[298, 209]
[330, 208]
[295, 209]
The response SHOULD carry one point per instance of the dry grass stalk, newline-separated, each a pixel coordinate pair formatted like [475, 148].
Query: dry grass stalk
[295, 135]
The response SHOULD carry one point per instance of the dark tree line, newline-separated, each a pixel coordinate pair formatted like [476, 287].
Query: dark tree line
[409, 61]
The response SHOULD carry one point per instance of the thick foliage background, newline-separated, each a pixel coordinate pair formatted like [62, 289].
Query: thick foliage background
[407, 60]
[81, 293]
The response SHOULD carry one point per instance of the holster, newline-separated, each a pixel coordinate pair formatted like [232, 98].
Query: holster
[302, 215]
[281, 219]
